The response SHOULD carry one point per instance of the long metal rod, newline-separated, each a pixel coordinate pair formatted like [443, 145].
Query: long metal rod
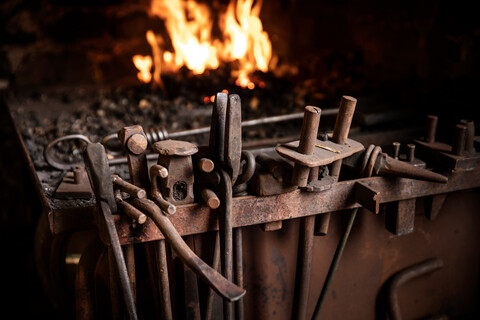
[304, 266]
[300, 177]
[249, 123]
[222, 286]
[119, 260]
[129, 252]
[207, 315]
[334, 264]
[163, 285]
[239, 307]
[226, 235]
[247, 211]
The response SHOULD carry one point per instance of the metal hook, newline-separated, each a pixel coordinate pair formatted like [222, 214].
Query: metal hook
[47, 151]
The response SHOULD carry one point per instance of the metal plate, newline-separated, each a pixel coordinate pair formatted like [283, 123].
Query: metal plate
[321, 155]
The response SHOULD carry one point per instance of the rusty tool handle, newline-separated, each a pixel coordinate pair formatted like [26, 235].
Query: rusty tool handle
[157, 197]
[340, 135]
[129, 188]
[342, 127]
[225, 224]
[308, 138]
[300, 177]
[99, 174]
[215, 280]
[130, 210]
[232, 148]
[210, 198]
[217, 127]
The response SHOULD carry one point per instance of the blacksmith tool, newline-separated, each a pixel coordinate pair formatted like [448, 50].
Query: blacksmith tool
[340, 135]
[99, 174]
[385, 165]
[159, 134]
[403, 276]
[135, 144]
[153, 135]
[308, 138]
[225, 148]
[307, 155]
[222, 286]
[371, 162]
[461, 154]
[176, 189]
[136, 215]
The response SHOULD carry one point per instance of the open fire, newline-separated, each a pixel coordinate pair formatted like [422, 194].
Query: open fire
[242, 42]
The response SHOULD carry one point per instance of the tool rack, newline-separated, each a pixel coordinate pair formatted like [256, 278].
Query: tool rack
[395, 196]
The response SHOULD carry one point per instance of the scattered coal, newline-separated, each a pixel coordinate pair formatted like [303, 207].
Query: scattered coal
[43, 116]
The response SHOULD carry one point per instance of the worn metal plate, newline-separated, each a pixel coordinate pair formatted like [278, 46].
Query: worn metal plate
[325, 152]
[249, 210]
[68, 189]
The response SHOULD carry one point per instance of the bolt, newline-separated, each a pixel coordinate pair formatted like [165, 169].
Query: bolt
[308, 137]
[459, 138]
[469, 141]
[396, 149]
[137, 143]
[410, 152]
[431, 128]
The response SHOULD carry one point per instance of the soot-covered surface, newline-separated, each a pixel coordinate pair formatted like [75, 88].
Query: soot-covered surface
[42, 116]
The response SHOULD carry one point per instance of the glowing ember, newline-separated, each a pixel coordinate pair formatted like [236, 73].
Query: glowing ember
[143, 64]
[189, 26]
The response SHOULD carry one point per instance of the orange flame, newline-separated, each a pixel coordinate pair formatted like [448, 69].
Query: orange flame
[143, 64]
[246, 40]
[191, 36]
[189, 26]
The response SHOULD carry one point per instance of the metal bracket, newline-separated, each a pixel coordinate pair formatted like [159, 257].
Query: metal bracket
[368, 197]
[400, 217]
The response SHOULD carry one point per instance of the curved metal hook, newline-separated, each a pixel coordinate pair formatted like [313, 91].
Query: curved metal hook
[248, 167]
[47, 151]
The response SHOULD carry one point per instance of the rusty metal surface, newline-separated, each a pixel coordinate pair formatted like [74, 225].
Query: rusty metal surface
[305, 146]
[378, 254]
[221, 285]
[233, 137]
[433, 205]
[225, 226]
[402, 277]
[126, 208]
[74, 185]
[137, 161]
[248, 210]
[99, 174]
[175, 156]
[372, 255]
[129, 188]
[400, 217]
[321, 155]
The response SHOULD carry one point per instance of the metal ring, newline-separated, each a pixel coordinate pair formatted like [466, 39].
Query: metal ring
[371, 162]
[248, 167]
[106, 140]
[366, 156]
[57, 164]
